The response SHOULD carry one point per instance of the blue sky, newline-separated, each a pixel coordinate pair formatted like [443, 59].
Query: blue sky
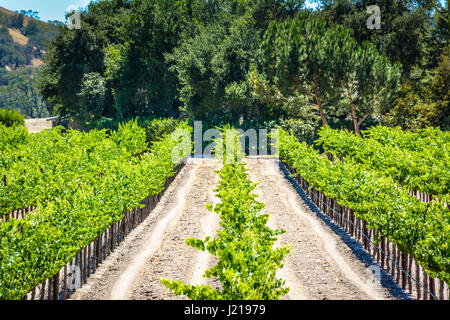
[49, 9]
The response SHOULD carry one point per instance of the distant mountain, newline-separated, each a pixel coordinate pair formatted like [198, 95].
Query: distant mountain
[23, 40]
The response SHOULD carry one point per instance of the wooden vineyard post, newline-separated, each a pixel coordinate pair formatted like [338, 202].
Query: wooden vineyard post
[111, 235]
[382, 253]
[89, 260]
[344, 219]
[123, 225]
[100, 250]
[82, 257]
[97, 253]
[410, 272]
[50, 286]
[332, 204]
[398, 262]
[441, 290]
[352, 229]
[394, 259]
[107, 242]
[418, 288]
[388, 254]
[65, 283]
[86, 263]
[43, 290]
[376, 251]
[364, 230]
[404, 266]
[56, 287]
[323, 202]
[432, 288]
[425, 283]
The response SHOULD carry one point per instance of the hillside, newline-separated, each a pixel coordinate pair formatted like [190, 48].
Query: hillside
[23, 40]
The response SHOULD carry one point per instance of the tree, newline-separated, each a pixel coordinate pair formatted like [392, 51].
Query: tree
[305, 57]
[403, 26]
[30, 13]
[424, 104]
[138, 47]
[92, 96]
[212, 69]
[18, 91]
[293, 60]
[361, 73]
[76, 53]
[16, 21]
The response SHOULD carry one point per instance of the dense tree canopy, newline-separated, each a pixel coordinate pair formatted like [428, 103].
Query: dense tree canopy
[236, 59]
[19, 92]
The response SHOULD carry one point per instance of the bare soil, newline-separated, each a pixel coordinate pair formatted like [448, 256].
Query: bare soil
[37, 125]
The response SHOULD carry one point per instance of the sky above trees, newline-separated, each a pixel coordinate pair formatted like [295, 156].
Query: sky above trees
[48, 9]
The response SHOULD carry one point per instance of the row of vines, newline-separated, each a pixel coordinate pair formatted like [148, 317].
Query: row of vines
[247, 263]
[420, 229]
[408, 161]
[80, 184]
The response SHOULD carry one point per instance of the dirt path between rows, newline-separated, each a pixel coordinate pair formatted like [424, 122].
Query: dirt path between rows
[157, 249]
[321, 264]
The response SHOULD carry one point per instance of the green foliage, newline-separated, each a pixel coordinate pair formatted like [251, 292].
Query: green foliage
[247, 263]
[431, 140]
[11, 53]
[40, 34]
[19, 91]
[211, 68]
[12, 137]
[158, 128]
[160, 58]
[130, 138]
[81, 183]
[11, 118]
[229, 147]
[421, 229]
[426, 103]
[92, 96]
[403, 26]
[294, 66]
[306, 62]
[30, 13]
[155, 128]
[426, 170]
[194, 58]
